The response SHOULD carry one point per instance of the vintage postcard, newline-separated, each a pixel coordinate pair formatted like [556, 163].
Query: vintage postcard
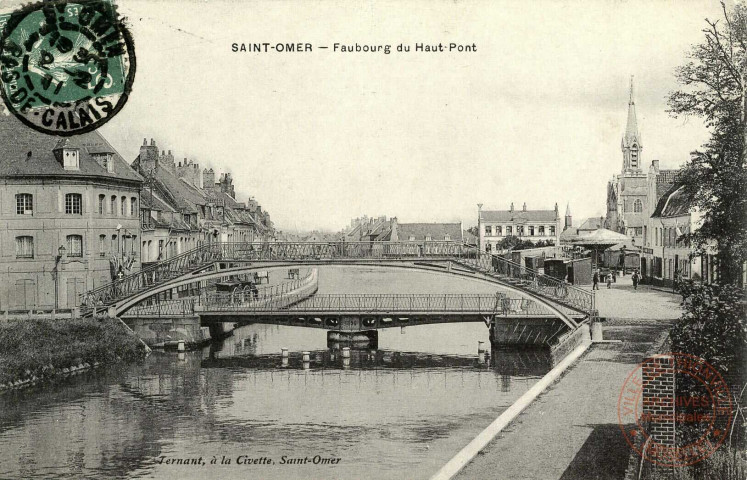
[376, 239]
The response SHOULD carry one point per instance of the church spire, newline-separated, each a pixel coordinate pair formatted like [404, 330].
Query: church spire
[631, 130]
[631, 142]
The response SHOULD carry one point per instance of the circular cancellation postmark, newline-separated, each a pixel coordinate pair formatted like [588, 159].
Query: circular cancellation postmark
[65, 67]
[674, 409]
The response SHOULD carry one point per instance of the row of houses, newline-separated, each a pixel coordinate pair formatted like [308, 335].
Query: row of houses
[183, 207]
[75, 214]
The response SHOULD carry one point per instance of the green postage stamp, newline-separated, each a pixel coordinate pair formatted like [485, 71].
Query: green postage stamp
[67, 67]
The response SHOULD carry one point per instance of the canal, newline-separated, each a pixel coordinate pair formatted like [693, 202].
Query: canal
[399, 411]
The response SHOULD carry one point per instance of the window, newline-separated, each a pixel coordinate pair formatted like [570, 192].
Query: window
[124, 206]
[634, 156]
[488, 230]
[24, 204]
[133, 207]
[113, 205]
[552, 230]
[498, 231]
[25, 247]
[73, 204]
[102, 245]
[106, 160]
[115, 246]
[508, 231]
[531, 231]
[488, 248]
[71, 159]
[102, 201]
[638, 206]
[412, 238]
[74, 246]
[427, 238]
[520, 230]
[541, 230]
[447, 237]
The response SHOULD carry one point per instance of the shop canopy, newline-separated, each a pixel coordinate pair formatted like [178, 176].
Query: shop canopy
[601, 237]
[627, 245]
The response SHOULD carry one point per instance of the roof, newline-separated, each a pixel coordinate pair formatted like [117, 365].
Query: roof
[25, 152]
[436, 231]
[601, 236]
[664, 181]
[591, 224]
[569, 233]
[674, 203]
[149, 202]
[183, 195]
[518, 215]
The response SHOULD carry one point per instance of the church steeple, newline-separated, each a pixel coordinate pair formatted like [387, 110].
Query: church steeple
[631, 142]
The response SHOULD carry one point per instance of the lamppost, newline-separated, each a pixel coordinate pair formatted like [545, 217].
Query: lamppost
[56, 274]
[479, 230]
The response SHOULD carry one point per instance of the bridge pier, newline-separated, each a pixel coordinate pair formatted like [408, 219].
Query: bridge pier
[542, 331]
[363, 339]
[168, 331]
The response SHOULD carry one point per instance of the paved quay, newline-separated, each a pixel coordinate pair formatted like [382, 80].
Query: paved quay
[571, 431]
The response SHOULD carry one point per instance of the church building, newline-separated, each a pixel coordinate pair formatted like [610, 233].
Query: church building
[629, 200]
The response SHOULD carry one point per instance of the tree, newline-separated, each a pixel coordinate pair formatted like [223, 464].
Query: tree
[473, 231]
[713, 87]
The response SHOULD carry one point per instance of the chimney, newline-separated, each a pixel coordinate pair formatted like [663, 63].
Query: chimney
[512, 207]
[524, 208]
[148, 156]
[655, 164]
[208, 179]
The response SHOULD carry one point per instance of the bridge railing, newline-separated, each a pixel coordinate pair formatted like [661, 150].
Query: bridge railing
[181, 307]
[186, 306]
[526, 278]
[210, 253]
[376, 304]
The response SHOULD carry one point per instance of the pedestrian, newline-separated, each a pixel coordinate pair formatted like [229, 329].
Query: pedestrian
[636, 278]
[595, 280]
[614, 275]
[609, 280]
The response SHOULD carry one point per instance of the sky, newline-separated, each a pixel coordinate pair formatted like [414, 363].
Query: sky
[534, 115]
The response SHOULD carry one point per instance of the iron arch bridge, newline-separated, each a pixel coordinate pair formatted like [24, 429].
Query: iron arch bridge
[215, 260]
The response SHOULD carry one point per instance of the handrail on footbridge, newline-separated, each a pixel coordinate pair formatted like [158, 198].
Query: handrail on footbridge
[493, 265]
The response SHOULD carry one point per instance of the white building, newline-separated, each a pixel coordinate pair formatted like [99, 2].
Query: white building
[535, 225]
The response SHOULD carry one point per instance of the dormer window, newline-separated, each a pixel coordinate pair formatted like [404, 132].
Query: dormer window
[67, 155]
[71, 159]
[106, 160]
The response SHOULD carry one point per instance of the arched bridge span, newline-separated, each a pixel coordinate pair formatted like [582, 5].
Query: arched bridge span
[221, 259]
